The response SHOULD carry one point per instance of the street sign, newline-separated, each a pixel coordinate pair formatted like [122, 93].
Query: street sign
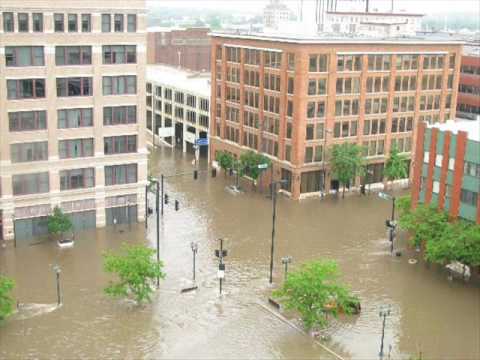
[384, 196]
[201, 142]
[263, 166]
[224, 253]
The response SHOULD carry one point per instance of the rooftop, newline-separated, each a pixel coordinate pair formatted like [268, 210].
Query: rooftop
[175, 28]
[308, 36]
[470, 50]
[358, 13]
[194, 82]
[472, 127]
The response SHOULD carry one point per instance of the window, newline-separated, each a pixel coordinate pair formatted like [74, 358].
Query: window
[271, 104]
[179, 97]
[118, 85]
[8, 22]
[26, 89]
[29, 151]
[378, 84]
[403, 145]
[37, 22]
[407, 62]
[120, 174]
[430, 102]
[433, 62]
[118, 22]
[250, 140]
[252, 57]
[106, 23]
[203, 120]
[471, 169]
[204, 104]
[271, 124]
[318, 63]
[349, 63]
[119, 54]
[468, 197]
[59, 22]
[75, 86]
[346, 107]
[290, 61]
[249, 118]
[24, 56]
[233, 94]
[315, 109]
[75, 148]
[74, 118]
[178, 113]
[233, 54]
[345, 129]
[191, 101]
[348, 86]
[22, 22]
[191, 117]
[436, 187]
[73, 55]
[120, 144]
[132, 23]
[403, 103]
[379, 62]
[374, 126]
[86, 23]
[272, 82]
[27, 120]
[317, 86]
[77, 179]
[272, 59]
[374, 147]
[438, 160]
[72, 22]
[251, 78]
[30, 183]
[402, 124]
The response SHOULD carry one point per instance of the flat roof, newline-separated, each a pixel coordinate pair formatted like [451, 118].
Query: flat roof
[472, 127]
[334, 38]
[471, 50]
[372, 13]
[190, 81]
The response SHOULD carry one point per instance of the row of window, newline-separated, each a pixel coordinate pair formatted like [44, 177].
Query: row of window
[37, 183]
[470, 89]
[179, 97]
[72, 148]
[19, 56]
[71, 118]
[71, 86]
[71, 23]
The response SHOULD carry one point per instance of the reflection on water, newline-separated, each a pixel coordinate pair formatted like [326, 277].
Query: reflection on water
[429, 313]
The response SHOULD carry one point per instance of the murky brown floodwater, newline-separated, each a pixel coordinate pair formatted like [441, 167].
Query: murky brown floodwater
[429, 314]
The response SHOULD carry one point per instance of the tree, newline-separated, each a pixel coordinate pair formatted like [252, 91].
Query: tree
[6, 302]
[136, 269]
[225, 160]
[249, 162]
[58, 222]
[346, 162]
[314, 291]
[396, 167]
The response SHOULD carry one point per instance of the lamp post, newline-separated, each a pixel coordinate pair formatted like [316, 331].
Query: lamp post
[194, 247]
[384, 312]
[325, 132]
[220, 254]
[391, 224]
[285, 261]
[274, 215]
[57, 270]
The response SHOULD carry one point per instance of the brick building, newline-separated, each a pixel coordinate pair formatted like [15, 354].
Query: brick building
[72, 110]
[468, 102]
[447, 168]
[292, 97]
[188, 48]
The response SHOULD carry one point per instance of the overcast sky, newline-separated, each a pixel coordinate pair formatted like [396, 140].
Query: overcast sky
[423, 6]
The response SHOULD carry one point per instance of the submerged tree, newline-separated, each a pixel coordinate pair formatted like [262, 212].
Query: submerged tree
[315, 291]
[6, 301]
[59, 223]
[225, 160]
[346, 162]
[249, 162]
[136, 269]
[396, 166]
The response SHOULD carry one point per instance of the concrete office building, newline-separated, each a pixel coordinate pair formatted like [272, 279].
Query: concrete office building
[290, 97]
[447, 168]
[468, 103]
[178, 105]
[72, 108]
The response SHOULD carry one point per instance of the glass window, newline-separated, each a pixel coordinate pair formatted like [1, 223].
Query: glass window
[106, 23]
[27, 120]
[58, 20]
[86, 23]
[8, 22]
[131, 23]
[24, 56]
[118, 22]
[29, 151]
[73, 55]
[37, 22]
[72, 22]
[74, 87]
[74, 118]
[23, 22]
[77, 178]
[30, 183]
[75, 148]
[25, 89]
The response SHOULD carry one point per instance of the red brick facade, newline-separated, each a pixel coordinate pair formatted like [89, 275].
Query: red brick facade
[458, 173]
[418, 164]
[467, 101]
[444, 171]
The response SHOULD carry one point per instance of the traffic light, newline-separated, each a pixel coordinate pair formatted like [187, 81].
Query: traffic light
[166, 199]
[195, 174]
[177, 205]
[214, 172]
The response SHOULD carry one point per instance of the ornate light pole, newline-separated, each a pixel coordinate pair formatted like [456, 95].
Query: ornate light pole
[285, 261]
[194, 247]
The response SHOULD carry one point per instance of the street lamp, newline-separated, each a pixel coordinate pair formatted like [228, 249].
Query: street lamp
[325, 132]
[194, 247]
[274, 215]
[285, 261]
[220, 254]
[391, 224]
[384, 312]
[57, 270]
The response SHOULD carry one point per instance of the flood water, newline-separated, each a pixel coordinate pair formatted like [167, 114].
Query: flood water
[429, 314]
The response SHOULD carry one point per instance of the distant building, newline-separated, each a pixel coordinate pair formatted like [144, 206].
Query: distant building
[178, 104]
[447, 168]
[372, 23]
[468, 103]
[291, 97]
[275, 13]
[188, 48]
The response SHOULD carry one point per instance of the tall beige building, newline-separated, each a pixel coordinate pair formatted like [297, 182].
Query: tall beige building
[72, 108]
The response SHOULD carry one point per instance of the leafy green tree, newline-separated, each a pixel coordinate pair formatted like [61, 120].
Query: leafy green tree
[136, 269]
[396, 167]
[59, 223]
[249, 162]
[225, 160]
[6, 301]
[314, 291]
[346, 161]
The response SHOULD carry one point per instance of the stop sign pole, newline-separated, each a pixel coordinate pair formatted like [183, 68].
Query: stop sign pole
[220, 254]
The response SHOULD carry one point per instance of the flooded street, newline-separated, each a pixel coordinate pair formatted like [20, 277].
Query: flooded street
[429, 314]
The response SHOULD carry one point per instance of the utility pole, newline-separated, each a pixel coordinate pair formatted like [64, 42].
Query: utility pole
[158, 227]
[162, 177]
[146, 206]
[57, 270]
[194, 247]
[274, 216]
[220, 254]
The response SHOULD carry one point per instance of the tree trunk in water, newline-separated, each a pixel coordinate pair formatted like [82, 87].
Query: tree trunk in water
[343, 191]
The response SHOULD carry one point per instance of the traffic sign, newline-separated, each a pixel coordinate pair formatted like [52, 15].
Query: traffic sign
[201, 142]
[262, 166]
